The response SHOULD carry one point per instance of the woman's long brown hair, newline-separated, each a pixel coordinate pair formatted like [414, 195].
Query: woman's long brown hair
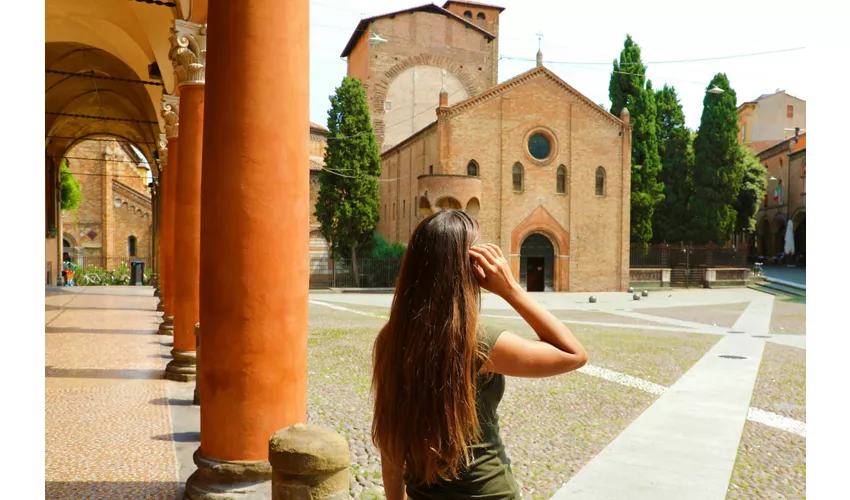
[426, 358]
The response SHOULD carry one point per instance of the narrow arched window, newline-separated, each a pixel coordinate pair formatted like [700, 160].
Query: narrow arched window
[131, 246]
[481, 19]
[468, 15]
[472, 168]
[562, 180]
[517, 177]
[600, 181]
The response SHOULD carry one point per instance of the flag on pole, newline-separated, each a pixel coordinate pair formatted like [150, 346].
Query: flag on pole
[776, 193]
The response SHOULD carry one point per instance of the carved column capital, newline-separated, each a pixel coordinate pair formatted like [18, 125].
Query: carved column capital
[171, 115]
[162, 148]
[188, 52]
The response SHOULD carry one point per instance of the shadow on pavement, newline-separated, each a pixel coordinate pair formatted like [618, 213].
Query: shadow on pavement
[113, 490]
[49, 371]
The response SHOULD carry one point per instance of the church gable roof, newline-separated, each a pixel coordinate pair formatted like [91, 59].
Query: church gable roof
[432, 8]
[522, 78]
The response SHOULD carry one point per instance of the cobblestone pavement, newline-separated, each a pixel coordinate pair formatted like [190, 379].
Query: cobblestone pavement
[772, 463]
[122, 446]
[721, 315]
[103, 439]
[789, 316]
[551, 427]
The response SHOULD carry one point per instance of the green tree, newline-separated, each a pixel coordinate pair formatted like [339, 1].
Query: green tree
[675, 147]
[347, 206]
[751, 194]
[69, 189]
[628, 88]
[382, 249]
[717, 167]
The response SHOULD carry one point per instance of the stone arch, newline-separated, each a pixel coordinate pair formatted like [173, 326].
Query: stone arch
[425, 207]
[448, 203]
[473, 206]
[541, 221]
[381, 87]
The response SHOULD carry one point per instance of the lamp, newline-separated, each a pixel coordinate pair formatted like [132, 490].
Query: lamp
[715, 90]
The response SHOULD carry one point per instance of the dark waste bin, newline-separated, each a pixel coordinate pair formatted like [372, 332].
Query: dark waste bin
[137, 273]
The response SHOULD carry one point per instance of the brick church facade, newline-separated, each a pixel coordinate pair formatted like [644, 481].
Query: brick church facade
[544, 170]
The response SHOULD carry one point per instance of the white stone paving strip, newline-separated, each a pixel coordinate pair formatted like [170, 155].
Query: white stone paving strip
[777, 421]
[622, 379]
[756, 415]
[353, 311]
[609, 325]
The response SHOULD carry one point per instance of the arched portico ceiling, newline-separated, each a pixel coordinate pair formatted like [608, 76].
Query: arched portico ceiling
[76, 106]
[115, 39]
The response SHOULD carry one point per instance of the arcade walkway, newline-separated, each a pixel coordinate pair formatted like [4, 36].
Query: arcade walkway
[107, 427]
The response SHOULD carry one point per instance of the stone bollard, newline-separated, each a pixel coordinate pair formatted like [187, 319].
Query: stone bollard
[309, 463]
[196, 398]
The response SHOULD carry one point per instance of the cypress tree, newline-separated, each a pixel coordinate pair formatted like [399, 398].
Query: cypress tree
[629, 88]
[675, 147]
[718, 171]
[347, 206]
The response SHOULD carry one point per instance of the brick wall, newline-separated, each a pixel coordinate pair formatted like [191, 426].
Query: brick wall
[421, 39]
[105, 184]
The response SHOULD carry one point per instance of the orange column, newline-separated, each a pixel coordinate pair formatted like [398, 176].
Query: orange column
[166, 239]
[188, 55]
[255, 199]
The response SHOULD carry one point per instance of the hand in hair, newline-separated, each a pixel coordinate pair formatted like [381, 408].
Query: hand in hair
[492, 269]
[558, 350]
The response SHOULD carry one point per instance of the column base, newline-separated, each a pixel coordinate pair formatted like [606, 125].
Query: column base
[167, 326]
[160, 305]
[220, 480]
[182, 367]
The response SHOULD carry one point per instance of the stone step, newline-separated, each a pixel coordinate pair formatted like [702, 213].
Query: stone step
[778, 289]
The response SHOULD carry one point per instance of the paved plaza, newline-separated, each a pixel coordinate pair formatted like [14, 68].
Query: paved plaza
[696, 394]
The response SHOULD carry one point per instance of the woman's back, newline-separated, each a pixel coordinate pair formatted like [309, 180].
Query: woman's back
[438, 376]
[489, 476]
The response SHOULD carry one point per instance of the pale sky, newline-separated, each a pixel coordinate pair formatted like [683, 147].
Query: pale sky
[593, 32]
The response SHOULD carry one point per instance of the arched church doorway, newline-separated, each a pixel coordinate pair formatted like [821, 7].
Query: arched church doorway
[537, 263]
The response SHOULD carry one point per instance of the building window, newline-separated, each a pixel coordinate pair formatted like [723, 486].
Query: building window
[517, 177]
[562, 180]
[481, 19]
[468, 15]
[388, 105]
[131, 246]
[430, 169]
[394, 211]
[404, 208]
[790, 111]
[539, 146]
[743, 132]
[600, 181]
[472, 168]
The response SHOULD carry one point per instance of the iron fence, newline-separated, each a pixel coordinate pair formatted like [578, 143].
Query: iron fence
[107, 263]
[686, 256]
[339, 273]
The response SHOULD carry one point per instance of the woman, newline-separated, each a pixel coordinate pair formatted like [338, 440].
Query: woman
[439, 376]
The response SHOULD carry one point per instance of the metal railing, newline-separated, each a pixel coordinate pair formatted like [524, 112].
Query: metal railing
[337, 273]
[687, 256]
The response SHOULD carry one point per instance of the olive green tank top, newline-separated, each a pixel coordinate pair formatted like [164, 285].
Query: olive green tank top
[489, 477]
